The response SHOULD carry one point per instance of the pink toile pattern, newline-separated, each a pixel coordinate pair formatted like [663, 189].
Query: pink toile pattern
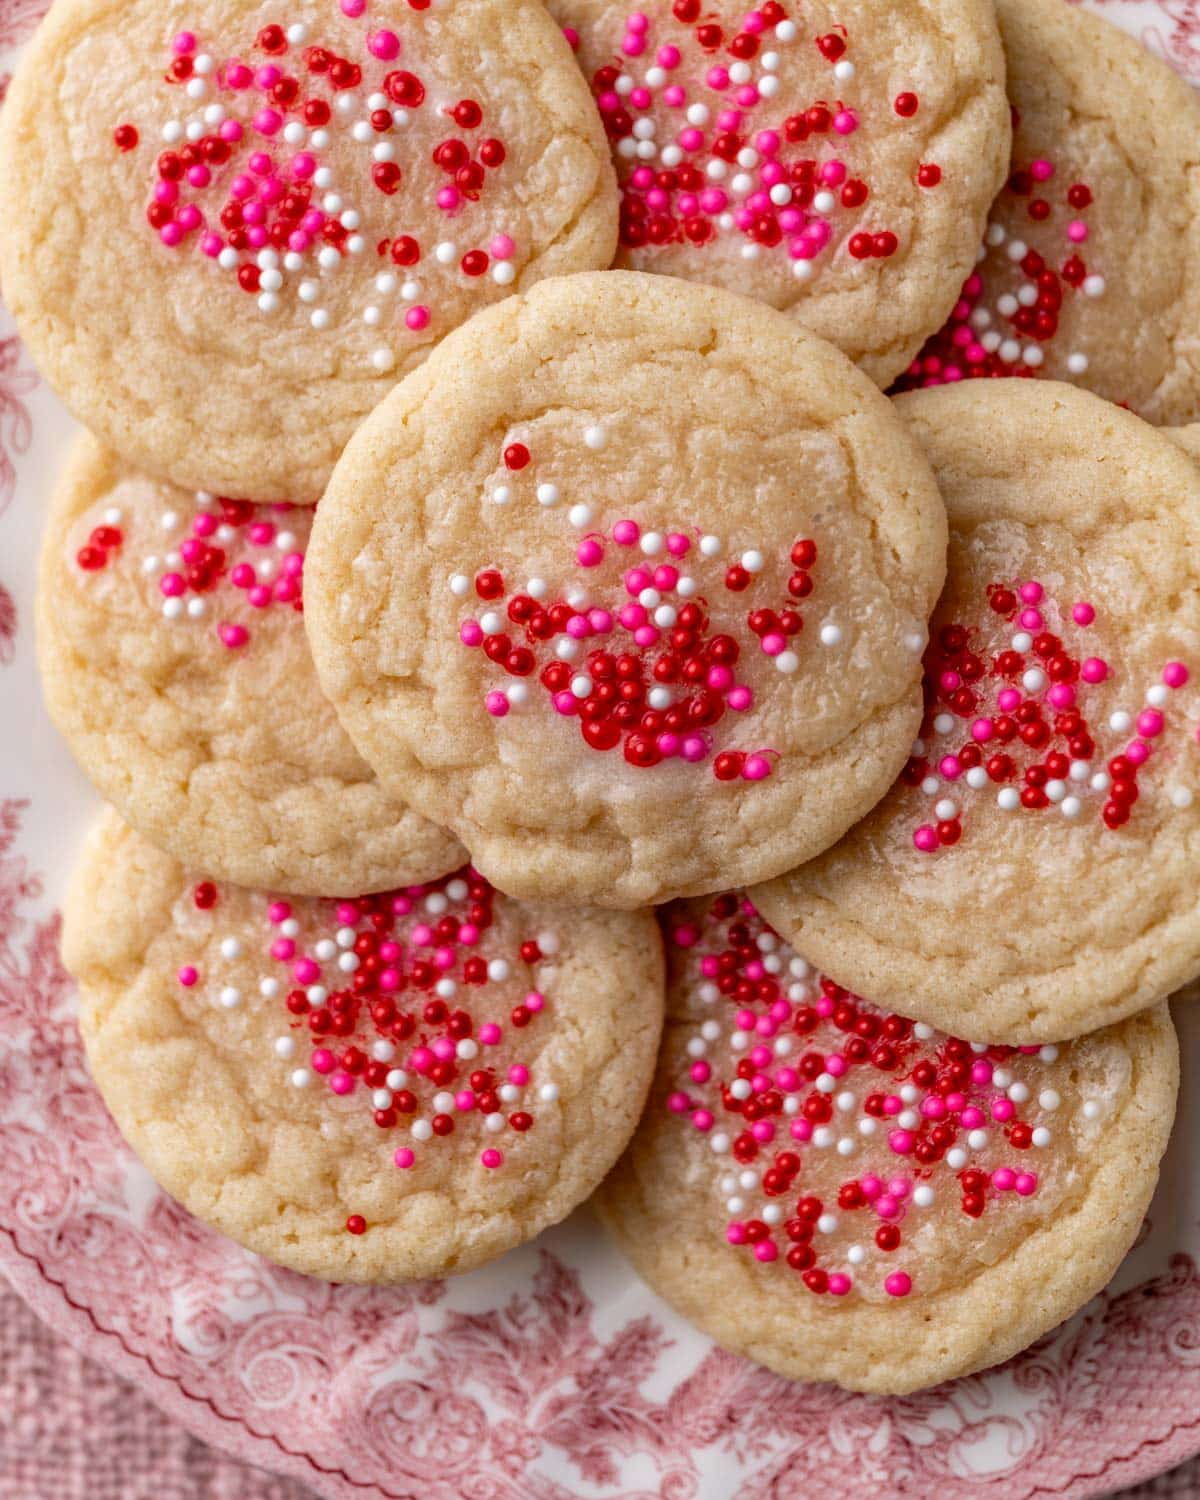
[552, 1375]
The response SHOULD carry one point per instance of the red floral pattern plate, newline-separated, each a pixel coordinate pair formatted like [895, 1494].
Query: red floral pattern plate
[553, 1374]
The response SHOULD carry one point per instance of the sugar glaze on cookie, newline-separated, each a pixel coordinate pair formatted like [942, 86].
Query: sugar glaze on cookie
[228, 557]
[854, 1147]
[241, 175]
[396, 1003]
[703, 155]
[627, 644]
[1007, 712]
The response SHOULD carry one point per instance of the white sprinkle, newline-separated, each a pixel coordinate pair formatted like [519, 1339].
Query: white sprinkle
[382, 360]
[301, 1078]
[548, 1093]
[1008, 799]
[787, 662]
[230, 997]
[445, 252]
[547, 494]
[831, 635]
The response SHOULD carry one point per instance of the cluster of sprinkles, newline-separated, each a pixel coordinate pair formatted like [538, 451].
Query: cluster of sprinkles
[703, 157]
[224, 558]
[1007, 710]
[646, 672]
[840, 1131]
[244, 175]
[1010, 306]
[383, 997]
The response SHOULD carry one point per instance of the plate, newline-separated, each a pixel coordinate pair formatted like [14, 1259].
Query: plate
[553, 1374]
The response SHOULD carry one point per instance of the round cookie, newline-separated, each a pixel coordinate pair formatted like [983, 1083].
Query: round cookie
[381, 1089]
[175, 663]
[227, 227]
[1090, 270]
[835, 160]
[1033, 873]
[628, 587]
[845, 1196]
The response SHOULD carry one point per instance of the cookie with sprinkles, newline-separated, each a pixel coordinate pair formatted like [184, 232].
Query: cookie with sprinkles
[1034, 872]
[1090, 266]
[227, 228]
[174, 661]
[379, 1089]
[628, 586]
[845, 1195]
[835, 160]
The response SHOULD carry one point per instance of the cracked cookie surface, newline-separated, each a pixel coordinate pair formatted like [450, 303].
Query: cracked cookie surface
[628, 587]
[375, 1090]
[844, 1195]
[835, 160]
[175, 663]
[1032, 875]
[229, 226]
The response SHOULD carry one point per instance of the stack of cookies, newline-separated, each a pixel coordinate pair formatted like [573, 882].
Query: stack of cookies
[629, 588]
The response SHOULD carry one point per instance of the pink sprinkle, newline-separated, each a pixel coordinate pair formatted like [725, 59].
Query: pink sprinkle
[1041, 170]
[233, 636]
[1094, 669]
[448, 199]
[489, 1034]
[470, 633]
[740, 698]
[1031, 619]
[845, 122]
[417, 318]
[1003, 1110]
[625, 534]
[1031, 593]
[187, 976]
[702, 1119]
[1077, 231]
[283, 949]
[383, 44]
[981, 730]
[766, 1250]
[464, 1100]
[307, 971]
[502, 246]
[1004, 1179]
[1137, 752]
[491, 1157]
[950, 767]
[589, 553]
[898, 1284]
[497, 704]
[736, 1234]
[1150, 723]
[839, 1284]
[1026, 1184]
[268, 121]
[323, 1060]
[756, 768]
[1175, 674]
[184, 43]
[403, 1158]
[171, 234]
[1008, 699]
[901, 1141]
[230, 130]
[353, 8]
[212, 245]
[678, 1103]
[171, 585]
[279, 911]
